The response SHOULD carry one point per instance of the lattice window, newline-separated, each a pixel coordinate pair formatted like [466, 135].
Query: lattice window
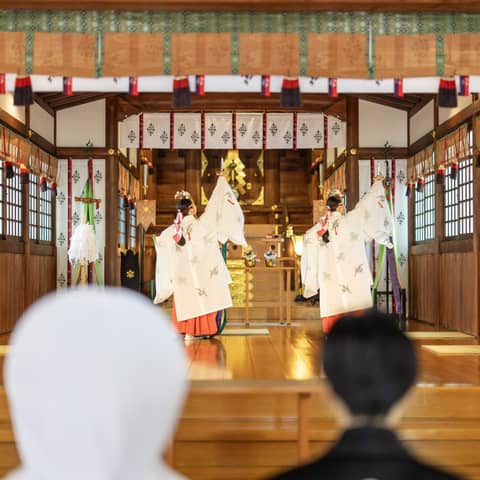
[33, 207]
[132, 226]
[122, 224]
[458, 215]
[425, 211]
[11, 204]
[40, 212]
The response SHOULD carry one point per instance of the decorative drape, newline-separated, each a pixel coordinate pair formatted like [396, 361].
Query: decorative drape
[135, 54]
[239, 29]
[421, 164]
[216, 131]
[18, 150]
[454, 147]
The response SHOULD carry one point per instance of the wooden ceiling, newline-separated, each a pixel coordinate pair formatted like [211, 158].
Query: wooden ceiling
[224, 102]
[470, 6]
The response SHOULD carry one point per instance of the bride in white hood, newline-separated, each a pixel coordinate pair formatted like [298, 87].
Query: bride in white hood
[96, 380]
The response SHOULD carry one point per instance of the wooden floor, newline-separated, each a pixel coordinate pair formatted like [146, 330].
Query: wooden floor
[293, 353]
[251, 432]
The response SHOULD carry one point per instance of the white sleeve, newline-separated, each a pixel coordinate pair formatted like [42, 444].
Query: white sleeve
[309, 263]
[224, 215]
[165, 265]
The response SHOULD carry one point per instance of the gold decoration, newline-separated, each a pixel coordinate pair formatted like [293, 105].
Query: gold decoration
[130, 274]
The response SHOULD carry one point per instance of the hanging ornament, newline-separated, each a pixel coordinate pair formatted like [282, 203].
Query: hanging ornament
[478, 159]
[24, 173]
[200, 84]
[9, 173]
[333, 87]
[181, 92]
[151, 170]
[131, 203]
[420, 184]
[440, 175]
[53, 188]
[447, 93]
[398, 87]
[454, 170]
[464, 86]
[290, 95]
[133, 86]
[124, 200]
[43, 184]
[409, 188]
[3, 83]
[67, 86]
[23, 94]
[266, 86]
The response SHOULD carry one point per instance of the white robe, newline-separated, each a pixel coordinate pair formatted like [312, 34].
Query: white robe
[195, 273]
[95, 385]
[340, 268]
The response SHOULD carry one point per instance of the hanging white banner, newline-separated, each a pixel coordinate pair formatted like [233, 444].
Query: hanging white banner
[218, 130]
[187, 130]
[310, 130]
[130, 132]
[249, 131]
[279, 131]
[156, 130]
[337, 133]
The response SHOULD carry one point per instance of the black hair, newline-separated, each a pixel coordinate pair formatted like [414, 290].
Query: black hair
[333, 203]
[369, 362]
[184, 205]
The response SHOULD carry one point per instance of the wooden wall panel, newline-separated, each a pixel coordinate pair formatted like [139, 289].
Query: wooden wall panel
[294, 179]
[457, 291]
[170, 169]
[11, 289]
[422, 288]
[41, 277]
[19, 287]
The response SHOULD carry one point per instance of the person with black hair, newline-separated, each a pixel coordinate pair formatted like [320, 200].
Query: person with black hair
[190, 264]
[368, 397]
[335, 260]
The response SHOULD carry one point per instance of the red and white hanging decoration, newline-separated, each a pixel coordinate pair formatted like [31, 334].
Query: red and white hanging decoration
[279, 131]
[249, 130]
[156, 130]
[130, 132]
[310, 130]
[187, 131]
[336, 133]
[218, 130]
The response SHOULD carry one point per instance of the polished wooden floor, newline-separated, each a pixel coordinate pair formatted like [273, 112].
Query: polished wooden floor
[293, 353]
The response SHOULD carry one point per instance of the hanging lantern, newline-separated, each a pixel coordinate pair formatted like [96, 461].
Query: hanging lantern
[53, 188]
[181, 92]
[420, 184]
[447, 93]
[43, 184]
[9, 173]
[409, 188]
[24, 173]
[440, 175]
[23, 94]
[290, 95]
[454, 170]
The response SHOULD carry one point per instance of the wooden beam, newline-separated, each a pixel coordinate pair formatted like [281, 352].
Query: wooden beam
[470, 6]
[112, 260]
[366, 153]
[351, 170]
[445, 128]
[82, 152]
[422, 103]
[39, 99]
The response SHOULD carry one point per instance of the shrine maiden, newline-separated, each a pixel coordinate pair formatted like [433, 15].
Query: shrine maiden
[335, 260]
[190, 264]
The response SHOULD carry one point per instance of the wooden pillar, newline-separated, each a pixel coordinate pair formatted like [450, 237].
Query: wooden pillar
[351, 170]
[271, 162]
[112, 260]
[192, 174]
[476, 225]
